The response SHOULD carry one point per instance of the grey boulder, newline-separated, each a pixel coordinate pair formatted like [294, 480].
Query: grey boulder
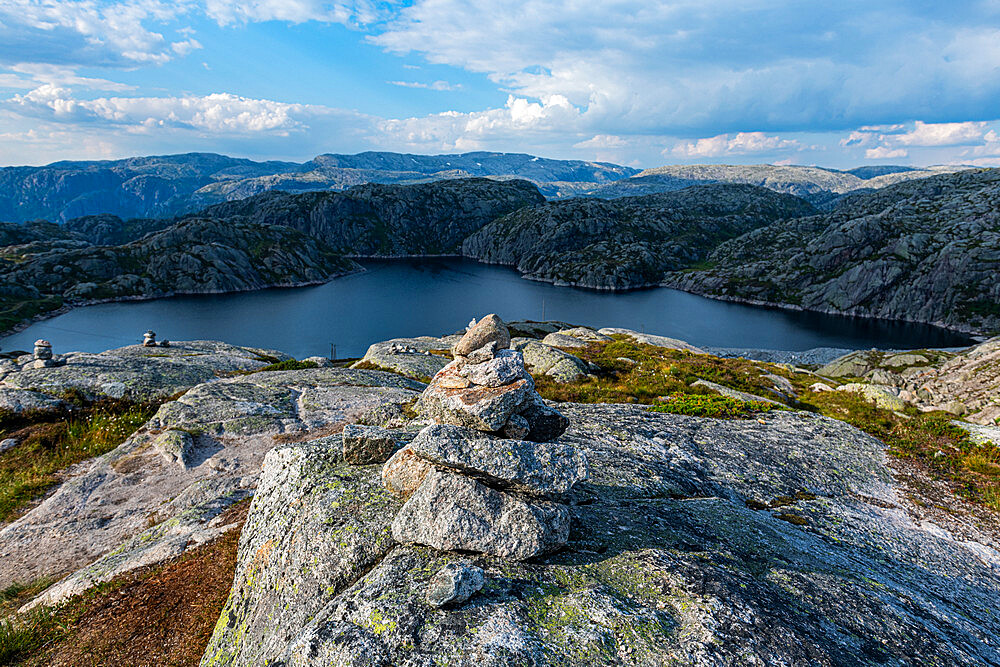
[504, 368]
[455, 513]
[540, 469]
[367, 444]
[487, 330]
[450, 399]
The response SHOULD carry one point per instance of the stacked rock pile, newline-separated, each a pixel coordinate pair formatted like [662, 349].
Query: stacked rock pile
[484, 477]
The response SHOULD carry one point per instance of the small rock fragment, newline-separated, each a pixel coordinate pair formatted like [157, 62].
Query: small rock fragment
[546, 423]
[175, 446]
[454, 584]
[517, 428]
[506, 367]
[367, 444]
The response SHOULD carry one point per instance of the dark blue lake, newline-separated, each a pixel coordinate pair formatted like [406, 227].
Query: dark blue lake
[437, 296]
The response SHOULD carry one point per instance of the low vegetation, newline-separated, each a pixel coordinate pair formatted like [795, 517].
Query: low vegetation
[157, 615]
[50, 442]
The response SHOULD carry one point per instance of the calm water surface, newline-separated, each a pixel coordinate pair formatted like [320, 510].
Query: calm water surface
[434, 297]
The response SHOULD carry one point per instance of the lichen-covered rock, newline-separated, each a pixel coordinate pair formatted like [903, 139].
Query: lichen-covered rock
[971, 378]
[419, 358]
[143, 373]
[667, 562]
[882, 397]
[563, 340]
[233, 422]
[542, 469]
[585, 334]
[456, 513]
[175, 446]
[449, 399]
[733, 393]
[454, 584]
[546, 360]
[24, 400]
[368, 444]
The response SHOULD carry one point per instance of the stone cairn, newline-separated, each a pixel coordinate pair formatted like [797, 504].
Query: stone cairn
[43, 355]
[149, 340]
[484, 477]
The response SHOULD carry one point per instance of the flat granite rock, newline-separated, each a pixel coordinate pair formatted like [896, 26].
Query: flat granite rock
[418, 362]
[534, 468]
[650, 339]
[456, 513]
[231, 424]
[25, 400]
[542, 359]
[142, 373]
[450, 399]
[667, 562]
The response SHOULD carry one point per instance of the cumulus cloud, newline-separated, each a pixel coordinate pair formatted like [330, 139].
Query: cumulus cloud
[219, 113]
[738, 144]
[89, 33]
[943, 134]
[884, 153]
[227, 12]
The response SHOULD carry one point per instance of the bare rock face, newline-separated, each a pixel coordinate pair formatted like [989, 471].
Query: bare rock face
[538, 469]
[456, 513]
[367, 444]
[489, 329]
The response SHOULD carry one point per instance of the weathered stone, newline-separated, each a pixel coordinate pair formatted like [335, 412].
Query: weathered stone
[545, 422]
[517, 428]
[880, 396]
[404, 472]
[543, 469]
[482, 408]
[506, 367]
[337, 644]
[651, 339]
[585, 334]
[367, 444]
[819, 386]
[487, 330]
[546, 360]
[563, 340]
[407, 355]
[733, 393]
[8, 443]
[321, 362]
[485, 353]
[25, 400]
[455, 513]
[454, 584]
[175, 446]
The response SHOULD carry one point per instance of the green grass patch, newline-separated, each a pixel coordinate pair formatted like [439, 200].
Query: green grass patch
[288, 365]
[718, 407]
[53, 441]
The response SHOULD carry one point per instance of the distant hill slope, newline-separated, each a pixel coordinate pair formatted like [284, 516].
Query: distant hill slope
[629, 242]
[169, 185]
[926, 250]
[819, 186]
[388, 220]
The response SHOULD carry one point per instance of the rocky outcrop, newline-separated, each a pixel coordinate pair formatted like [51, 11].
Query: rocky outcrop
[667, 560]
[627, 243]
[922, 251]
[135, 372]
[145, 502]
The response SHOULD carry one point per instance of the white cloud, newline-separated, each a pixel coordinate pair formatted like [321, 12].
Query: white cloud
[738, 144]
[227, 12]
[436, 85]
[603, 141]
[219, 113]
[884, 153]
[943, 134]
[72, 33]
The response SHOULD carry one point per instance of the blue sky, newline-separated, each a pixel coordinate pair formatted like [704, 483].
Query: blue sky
[838, 84]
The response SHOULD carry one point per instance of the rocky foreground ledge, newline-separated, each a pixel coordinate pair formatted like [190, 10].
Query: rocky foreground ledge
[782, 539]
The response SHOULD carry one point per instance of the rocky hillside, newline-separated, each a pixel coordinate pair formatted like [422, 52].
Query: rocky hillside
[196, 255]
[165, 186]
[819, 186]
[630, 242]
[381, 535]
[388, 220]
[925, 251]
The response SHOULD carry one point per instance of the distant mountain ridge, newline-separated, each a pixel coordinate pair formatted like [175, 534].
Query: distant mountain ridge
[166, 186]
[170, 185]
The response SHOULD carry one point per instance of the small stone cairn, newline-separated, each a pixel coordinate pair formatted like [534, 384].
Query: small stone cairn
[485, 477]
[43, 355]
[149, 340]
